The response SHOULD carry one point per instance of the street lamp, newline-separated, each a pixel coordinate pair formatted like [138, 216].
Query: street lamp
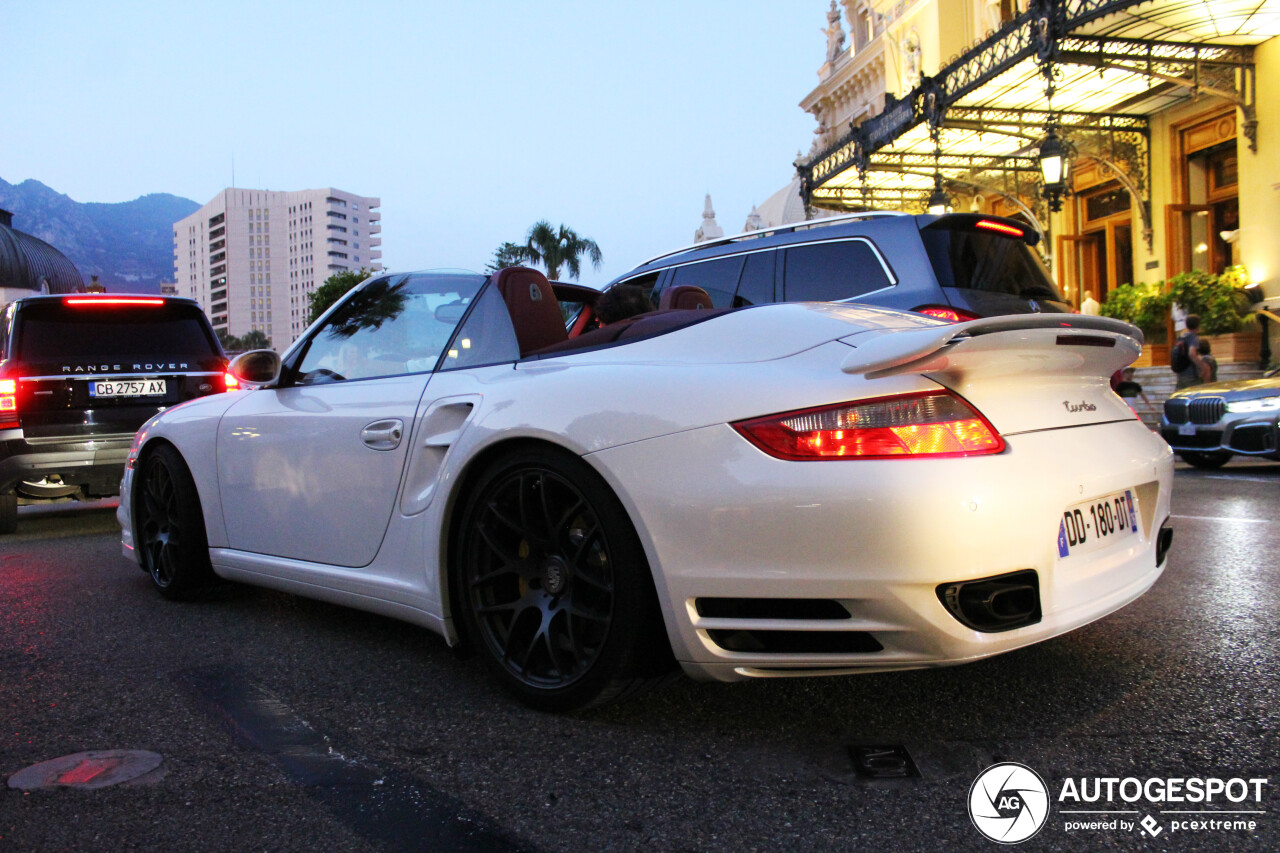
[1053, 168]
[939, 202]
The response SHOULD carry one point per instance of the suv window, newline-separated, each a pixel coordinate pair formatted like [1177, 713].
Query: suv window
[53, 331]
[756, 284]
[648, 281]
[4, 330]
[832, 270]
[975, 260]
[719, 278]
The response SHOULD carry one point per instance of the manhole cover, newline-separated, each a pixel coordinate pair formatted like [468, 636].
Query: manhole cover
[90, 770]
[883, 761]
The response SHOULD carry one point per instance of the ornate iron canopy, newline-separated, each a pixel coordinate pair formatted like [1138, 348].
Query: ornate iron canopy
[987, 113]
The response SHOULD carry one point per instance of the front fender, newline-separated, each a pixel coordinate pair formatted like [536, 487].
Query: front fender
[192, 429]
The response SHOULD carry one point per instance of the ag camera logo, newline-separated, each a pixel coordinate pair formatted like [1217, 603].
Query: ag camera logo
[1008, 803]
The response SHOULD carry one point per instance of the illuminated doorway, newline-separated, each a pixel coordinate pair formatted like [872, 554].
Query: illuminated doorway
[1203, 225]
[1098, 258]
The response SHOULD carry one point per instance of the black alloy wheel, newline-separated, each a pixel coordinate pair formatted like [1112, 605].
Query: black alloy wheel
[169, 526]
[1206, 459]
[553, 586]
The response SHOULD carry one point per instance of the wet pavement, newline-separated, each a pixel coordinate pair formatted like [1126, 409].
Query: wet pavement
[286, 724]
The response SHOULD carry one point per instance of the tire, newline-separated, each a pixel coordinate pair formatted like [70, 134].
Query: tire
[169, 526]
[552, 586]
[1206, 459]
[8, 513]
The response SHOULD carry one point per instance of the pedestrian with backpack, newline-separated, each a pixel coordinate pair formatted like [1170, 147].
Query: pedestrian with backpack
[1185, 359]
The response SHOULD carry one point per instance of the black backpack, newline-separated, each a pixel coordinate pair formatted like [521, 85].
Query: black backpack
[1178, 358]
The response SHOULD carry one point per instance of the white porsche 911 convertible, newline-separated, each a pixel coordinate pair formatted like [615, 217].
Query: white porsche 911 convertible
[775, 490]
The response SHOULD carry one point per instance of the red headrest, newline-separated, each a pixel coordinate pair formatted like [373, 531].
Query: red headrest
[535, 311]
[685, 296]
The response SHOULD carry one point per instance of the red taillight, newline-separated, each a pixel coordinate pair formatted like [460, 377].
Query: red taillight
[943, 312]
[230, 383]
[1001, 228]
[932, 424]
[102, 301]
[8, 403]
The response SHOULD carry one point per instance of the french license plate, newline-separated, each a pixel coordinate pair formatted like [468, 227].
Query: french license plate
[127, 388]
[1098, 523]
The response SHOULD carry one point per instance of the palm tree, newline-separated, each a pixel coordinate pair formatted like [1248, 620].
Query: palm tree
[558, 248]
[506, 255]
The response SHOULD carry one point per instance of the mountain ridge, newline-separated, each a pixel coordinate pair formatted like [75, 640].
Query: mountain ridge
[128, 244]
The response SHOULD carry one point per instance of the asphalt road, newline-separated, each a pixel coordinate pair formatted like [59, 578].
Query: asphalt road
[285, 724]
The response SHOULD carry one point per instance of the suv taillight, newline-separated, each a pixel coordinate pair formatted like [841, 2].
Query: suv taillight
[8, 403]
[932, 424]
[1001, 228]
[946, 312]
[229, 382]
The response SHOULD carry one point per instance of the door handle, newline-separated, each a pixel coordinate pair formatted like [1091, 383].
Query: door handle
[383, 435]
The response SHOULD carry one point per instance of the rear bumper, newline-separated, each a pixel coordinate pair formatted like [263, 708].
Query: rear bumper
[95, 465]
[878, 537]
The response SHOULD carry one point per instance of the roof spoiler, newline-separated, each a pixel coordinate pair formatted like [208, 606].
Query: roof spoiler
[991, 224]
[902, 352]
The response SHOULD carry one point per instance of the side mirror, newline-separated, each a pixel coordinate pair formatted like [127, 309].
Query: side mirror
[260, 367]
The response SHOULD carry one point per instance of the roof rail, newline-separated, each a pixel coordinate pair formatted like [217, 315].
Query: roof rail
[779, 229]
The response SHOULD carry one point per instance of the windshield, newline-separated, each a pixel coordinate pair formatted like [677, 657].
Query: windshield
[390, 326]
[978, 260]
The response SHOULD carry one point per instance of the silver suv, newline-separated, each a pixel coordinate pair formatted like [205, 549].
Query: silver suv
[958, 266]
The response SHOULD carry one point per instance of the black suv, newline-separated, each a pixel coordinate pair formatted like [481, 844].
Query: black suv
[957, 266]
[79, 374]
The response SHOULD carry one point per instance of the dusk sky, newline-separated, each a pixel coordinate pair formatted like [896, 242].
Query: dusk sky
[469, 120]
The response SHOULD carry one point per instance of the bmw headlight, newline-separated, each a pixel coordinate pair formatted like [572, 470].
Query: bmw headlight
[1264, 404]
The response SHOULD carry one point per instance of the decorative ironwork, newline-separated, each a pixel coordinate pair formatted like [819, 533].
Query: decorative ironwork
[1223, 70]
[835, 160]
[922, 163]
[1030, 124]
[932, 102]
[1042, 34]
[870, 198]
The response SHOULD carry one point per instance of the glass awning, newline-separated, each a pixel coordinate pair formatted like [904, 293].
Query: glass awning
[979, 122]
[1236, 22]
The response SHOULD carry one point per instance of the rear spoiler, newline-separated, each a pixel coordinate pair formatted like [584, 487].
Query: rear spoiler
[918, 350]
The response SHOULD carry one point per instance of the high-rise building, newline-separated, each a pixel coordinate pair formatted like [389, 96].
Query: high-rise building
[223, 259]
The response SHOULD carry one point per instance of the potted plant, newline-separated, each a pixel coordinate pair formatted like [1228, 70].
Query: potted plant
[1147, 307]
[1223, 305]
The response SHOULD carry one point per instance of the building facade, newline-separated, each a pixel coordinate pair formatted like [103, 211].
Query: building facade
[1172, 153]
[223, 255]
